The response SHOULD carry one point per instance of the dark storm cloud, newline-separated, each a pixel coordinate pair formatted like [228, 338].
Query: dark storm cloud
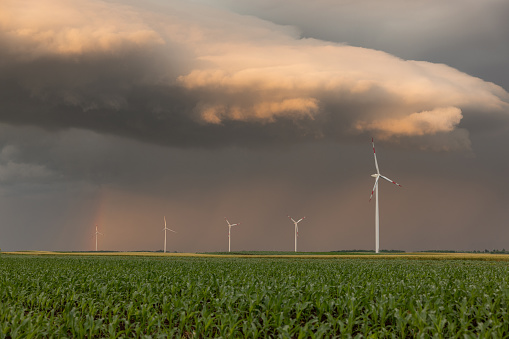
[190, 75]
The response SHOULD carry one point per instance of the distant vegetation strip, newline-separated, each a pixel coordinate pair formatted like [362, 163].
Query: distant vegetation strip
[291, 255]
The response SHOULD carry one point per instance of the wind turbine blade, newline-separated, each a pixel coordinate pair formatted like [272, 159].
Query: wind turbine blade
[389, 180]
[374, 153]
[234, 225]
[374, 188]
[172, 230]
[291, 218]
[301, 219]
[227, 221]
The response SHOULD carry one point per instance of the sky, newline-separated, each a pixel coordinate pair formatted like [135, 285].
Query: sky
[117, 113]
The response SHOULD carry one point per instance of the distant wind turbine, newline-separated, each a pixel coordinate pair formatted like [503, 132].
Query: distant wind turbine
[229, 231]
[96, 233]
[296, 229]
[166, 229]
[375, 188]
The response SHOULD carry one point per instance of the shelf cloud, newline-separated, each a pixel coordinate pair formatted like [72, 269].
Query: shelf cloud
[167, 73]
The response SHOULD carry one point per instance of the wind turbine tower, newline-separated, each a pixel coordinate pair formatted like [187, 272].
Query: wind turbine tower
[166, 229]
[296, 229]
[229, 231]
[377, 175]
[96, 234]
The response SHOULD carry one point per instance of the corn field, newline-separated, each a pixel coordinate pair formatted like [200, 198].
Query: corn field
[179, 297]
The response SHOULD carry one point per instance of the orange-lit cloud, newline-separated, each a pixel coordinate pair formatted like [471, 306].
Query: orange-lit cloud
[428, 122]
[47, 27]
[264, 111]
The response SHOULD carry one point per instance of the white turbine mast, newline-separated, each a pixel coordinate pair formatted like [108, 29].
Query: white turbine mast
[375, 188]
[296, 229]
[96, 234]
[229, 231]
[166, 229]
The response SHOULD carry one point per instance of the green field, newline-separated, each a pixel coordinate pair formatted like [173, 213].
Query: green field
[86, 296]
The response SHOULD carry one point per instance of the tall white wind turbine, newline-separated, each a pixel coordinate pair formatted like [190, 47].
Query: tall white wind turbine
[229, 231]
[96, 234]
[296, 229]
[375, 188]
[166, 229]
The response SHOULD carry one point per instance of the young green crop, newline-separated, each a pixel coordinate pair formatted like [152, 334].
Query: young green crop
[158, 297]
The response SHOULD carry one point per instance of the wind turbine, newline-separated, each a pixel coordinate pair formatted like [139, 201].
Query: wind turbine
[96, 233]
[166, 229]
[375, 188]
[229, 231]
[296, 229]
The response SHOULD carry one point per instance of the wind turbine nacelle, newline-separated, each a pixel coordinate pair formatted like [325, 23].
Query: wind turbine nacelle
[375, 175]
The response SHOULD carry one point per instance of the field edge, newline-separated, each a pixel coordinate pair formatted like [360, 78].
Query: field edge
[408, 256]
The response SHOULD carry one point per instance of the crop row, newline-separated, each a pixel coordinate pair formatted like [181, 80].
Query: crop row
[89, 297]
